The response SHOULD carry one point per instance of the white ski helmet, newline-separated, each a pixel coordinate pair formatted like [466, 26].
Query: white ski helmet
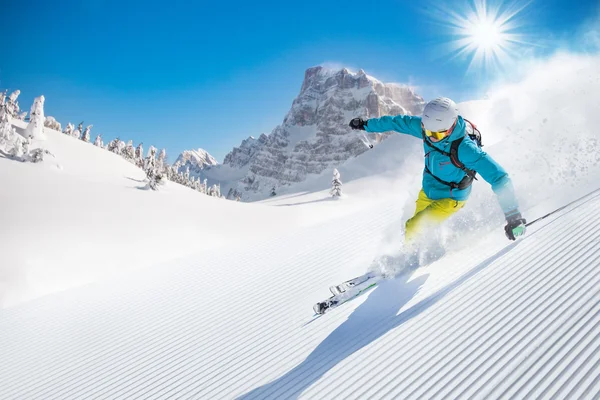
[439, 114]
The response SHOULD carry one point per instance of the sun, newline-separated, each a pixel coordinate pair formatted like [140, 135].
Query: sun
[489, 35]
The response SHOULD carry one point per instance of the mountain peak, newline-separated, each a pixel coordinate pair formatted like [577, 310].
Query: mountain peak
[196, 159]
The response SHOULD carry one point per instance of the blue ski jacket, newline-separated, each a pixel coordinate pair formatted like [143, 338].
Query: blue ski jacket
[469, 153]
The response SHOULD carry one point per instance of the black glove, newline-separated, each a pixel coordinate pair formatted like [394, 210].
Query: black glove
[515, 226]
[358, 123]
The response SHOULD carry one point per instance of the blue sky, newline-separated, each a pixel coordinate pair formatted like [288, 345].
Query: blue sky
[185, 75]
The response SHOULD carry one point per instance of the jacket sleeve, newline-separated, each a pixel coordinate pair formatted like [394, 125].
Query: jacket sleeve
[476, 159]
[406, 124]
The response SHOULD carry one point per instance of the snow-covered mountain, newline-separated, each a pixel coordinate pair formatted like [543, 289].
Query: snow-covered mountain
[314, 135]
[196, 161]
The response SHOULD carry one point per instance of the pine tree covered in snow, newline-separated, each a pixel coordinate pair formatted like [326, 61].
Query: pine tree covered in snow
[336, 190]
[86, 135]
[11, 143]
[186, 175]
[35, 129]
[79, 131]
[150, 161]
[98, 142]
[129, 152]
[52, 123]
[273, 193]
[69, 129]
[139, 155]
[114, 146]
[12, 105]
[162, 157]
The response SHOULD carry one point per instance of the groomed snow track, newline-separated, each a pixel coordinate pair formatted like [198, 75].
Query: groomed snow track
[520, 322]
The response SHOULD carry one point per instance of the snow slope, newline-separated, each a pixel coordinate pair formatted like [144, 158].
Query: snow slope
[85, 215]
[223, 309]
[494, 320]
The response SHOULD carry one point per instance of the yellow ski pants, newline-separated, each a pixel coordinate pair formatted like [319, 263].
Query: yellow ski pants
[430, 213]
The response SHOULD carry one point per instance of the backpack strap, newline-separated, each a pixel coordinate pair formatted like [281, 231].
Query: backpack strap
[453, 155]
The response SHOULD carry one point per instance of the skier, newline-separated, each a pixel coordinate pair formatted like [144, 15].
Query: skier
[452, 158]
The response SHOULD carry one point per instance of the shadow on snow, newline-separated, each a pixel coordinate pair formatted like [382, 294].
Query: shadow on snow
[375, 317]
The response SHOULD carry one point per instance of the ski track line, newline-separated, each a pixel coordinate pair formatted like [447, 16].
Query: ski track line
[442, 313]
[579, 385]
[376, 374]
[569, 380]
[552, 356]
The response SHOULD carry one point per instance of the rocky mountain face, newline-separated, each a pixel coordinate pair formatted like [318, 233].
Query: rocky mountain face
[196, 160]
[314, 135]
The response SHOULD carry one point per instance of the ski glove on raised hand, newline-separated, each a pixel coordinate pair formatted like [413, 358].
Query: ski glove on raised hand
[358, 123]
[515, 226]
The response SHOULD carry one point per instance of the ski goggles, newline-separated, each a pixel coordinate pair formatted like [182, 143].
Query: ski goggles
[439, 135]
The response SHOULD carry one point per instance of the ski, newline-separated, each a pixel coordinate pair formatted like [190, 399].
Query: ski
[351, 293]
[347, 285]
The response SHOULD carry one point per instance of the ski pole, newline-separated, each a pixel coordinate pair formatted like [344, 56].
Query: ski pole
[562, 208]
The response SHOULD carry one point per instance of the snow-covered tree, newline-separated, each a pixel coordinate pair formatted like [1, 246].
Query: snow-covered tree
[12, 105]
[86, 135]
[215, 190]
[69, 129]
[129, 152]
[98, 142]
[52, 123]
[79, 131]
[162, 157]
[154, 179]
[35, 129]
[205, 186]
[139, 155]
[11, 143]
[3, 98]
[273, 193]
[120, 146]
[186, 175]
[15, 145]
[114, 146]
[336, 189]
[150, 161]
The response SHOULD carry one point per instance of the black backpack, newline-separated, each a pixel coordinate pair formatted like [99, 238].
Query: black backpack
[475, 135]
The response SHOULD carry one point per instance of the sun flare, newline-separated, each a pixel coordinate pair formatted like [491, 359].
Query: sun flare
[488, 35]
